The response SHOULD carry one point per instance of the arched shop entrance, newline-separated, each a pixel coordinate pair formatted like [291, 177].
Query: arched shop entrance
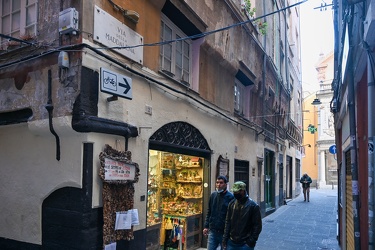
[179, 160]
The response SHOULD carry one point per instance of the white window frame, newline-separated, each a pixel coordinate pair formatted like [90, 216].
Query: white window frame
[25, 15]
[239, 97]
[168, 61]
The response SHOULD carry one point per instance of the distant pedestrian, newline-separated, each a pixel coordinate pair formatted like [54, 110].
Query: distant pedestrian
[243, 223]
[217, 210]
[306, 180]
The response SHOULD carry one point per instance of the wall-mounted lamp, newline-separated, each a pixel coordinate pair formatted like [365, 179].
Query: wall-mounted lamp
[316, 102]
[308, 145]
[130, 14]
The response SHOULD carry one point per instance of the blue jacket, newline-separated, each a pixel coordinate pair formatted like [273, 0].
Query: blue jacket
[217, 210]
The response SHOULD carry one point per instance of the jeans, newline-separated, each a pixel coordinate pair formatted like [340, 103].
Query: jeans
[233, 246]
[214, 240]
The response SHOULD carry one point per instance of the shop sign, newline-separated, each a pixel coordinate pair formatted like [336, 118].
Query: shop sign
[299, 154]
[222, 167]
[118, 171]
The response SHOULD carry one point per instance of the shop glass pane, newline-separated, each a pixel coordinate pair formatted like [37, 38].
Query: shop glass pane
[175, 184]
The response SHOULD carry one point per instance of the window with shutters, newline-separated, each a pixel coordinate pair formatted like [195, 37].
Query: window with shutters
[175, 54]
[18, 19]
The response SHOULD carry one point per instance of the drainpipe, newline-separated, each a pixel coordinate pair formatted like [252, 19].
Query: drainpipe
[49, 107]
[81, 122]
[353, 139]
[287, 76]
[264, 72]
[286, 57]
[85, 111]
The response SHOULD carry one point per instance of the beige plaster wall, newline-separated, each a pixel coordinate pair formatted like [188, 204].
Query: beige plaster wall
[29, 172]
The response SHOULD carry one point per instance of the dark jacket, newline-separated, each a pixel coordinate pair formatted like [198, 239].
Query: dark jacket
[305, 178]
[243, 223]
[217, 210]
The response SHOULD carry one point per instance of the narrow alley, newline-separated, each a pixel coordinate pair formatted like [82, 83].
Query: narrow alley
[303, 225]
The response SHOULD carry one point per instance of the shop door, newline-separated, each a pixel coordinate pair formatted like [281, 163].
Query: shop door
[179, 157]
[269, 185]
[289, 177]
[281, 181]
[241, 172]
[259, 196]
[349, 204]
[297, 175]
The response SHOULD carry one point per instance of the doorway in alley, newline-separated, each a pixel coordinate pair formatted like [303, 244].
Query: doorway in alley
[241, 172]
[269, 179]
[281, 181]
[179, 160]
[289, 177]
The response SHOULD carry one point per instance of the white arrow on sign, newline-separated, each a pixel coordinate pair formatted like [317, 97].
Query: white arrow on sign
[116, 84]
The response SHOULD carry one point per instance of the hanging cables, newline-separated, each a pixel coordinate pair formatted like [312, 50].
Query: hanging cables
[15, 39]
[200, 35]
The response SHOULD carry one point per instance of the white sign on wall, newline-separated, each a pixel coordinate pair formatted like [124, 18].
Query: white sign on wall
[298, 154]
[116, 170]
[112, 33]
[114, 83]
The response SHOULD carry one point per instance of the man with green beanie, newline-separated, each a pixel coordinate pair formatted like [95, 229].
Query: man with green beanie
[243, 222]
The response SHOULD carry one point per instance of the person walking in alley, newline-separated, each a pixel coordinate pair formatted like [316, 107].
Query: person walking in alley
[306, 180]
[243, 222]
[217, 210]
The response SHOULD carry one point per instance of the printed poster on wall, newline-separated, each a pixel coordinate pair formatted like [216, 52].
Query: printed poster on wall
[126, 219]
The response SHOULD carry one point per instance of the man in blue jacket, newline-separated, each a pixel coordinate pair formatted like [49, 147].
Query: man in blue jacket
[217, 210]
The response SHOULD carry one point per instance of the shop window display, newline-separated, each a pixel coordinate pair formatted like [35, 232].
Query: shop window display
[174, 208]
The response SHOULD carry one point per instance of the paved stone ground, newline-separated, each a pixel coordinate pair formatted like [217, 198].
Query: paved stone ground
[302, 225]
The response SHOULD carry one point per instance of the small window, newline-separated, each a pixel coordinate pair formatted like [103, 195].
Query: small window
[239, 97]
[175, 57]
[242, 96]
[271, 98]
[18, 19]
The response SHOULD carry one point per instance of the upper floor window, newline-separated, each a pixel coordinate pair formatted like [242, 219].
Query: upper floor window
[242, 87]
[175, 57]
[18, 19]
[239, 97]
[270, 99]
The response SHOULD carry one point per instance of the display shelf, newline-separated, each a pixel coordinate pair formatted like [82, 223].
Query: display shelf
[175, 190]
[191, 197]
[199, 182]
[192, 229]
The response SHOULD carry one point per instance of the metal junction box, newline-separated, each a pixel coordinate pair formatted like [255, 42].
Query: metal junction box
[68, 21]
